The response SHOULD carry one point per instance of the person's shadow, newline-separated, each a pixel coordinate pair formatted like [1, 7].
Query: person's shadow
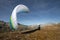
[31, 31]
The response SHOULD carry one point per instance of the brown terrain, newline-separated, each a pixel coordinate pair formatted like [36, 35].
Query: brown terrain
[47, 32]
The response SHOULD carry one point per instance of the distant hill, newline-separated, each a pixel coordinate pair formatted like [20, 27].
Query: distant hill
[5, 26]
[51, 26]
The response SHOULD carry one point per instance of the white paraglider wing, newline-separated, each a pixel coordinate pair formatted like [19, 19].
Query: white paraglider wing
[13, 18]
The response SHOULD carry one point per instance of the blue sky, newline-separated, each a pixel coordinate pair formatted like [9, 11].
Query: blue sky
[41, 11]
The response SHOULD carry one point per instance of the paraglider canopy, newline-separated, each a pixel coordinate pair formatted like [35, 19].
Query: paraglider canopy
[13, 18]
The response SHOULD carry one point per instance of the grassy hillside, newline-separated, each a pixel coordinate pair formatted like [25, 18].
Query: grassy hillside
[48, 32]
[37, 35]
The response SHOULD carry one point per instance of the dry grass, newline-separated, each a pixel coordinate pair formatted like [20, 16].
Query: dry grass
[42, 34]
[12, 36]
[37, 35]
